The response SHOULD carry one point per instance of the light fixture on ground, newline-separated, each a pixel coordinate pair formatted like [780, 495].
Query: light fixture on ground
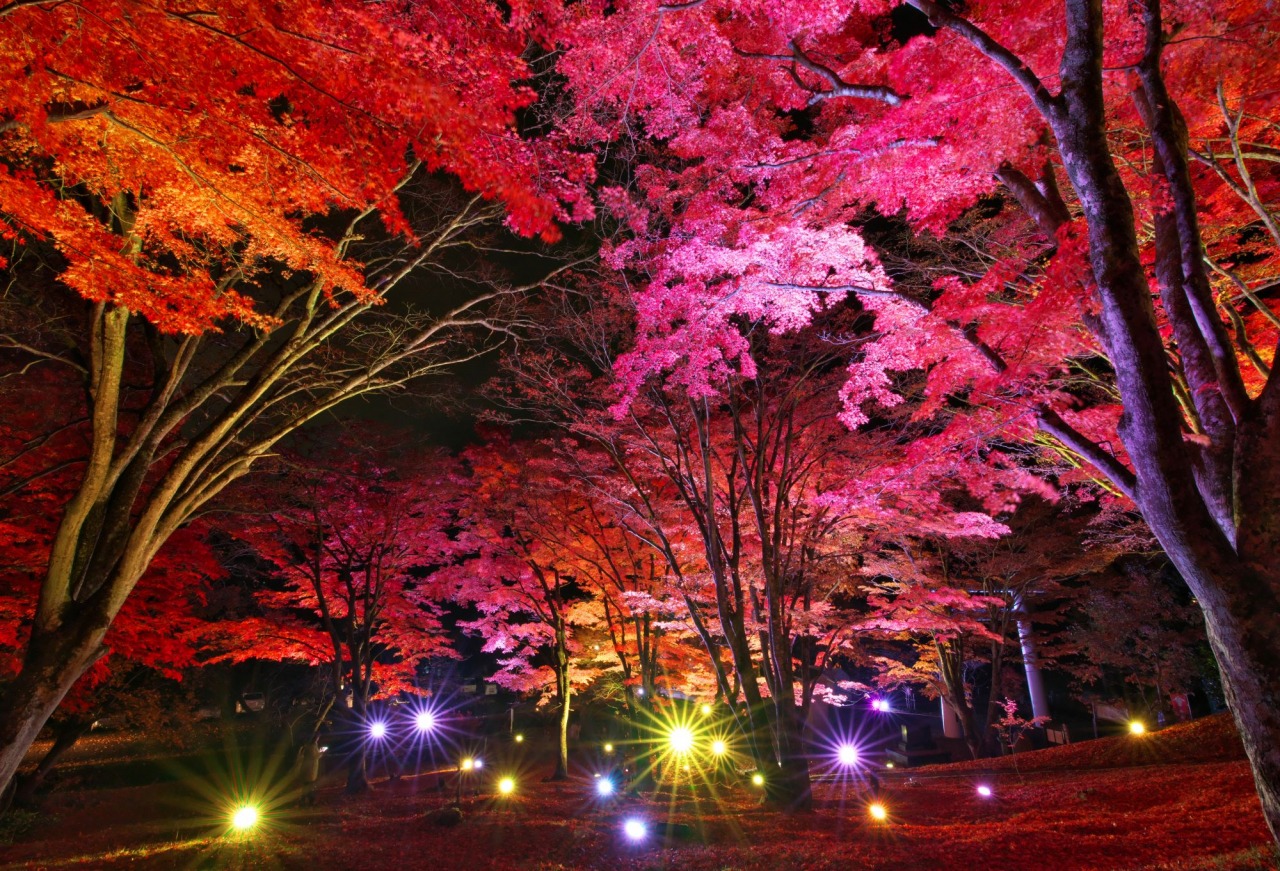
[1137, 727]
[377, 730]
[604, 786]
[468, 764]
[608, 748]
[506, 786]
[757, 779]
[719, 748]
[519, 739]
[706, 710]
[847, 755]
[881, 705]
[635, 829]
[984, 790]
[878, 812]
[244, 817]
[425, 721]
[681, 739]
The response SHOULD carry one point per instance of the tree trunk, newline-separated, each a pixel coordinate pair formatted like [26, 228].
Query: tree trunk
[49, 669]
[788, 786]
[65, 737]
[563, 690]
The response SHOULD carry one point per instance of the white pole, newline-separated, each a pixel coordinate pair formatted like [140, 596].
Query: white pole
[1035, 681]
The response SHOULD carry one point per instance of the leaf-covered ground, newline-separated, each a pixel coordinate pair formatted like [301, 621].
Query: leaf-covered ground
[1179, 799]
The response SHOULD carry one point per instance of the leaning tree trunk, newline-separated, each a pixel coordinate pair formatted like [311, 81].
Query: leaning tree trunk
[52, 664]
[65, 737]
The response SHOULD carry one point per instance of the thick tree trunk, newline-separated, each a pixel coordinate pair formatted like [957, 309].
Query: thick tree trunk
[790, 788]
[49, 669]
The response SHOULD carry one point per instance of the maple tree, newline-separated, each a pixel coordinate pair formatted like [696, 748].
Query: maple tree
[513, 568]
[227, 232]
[353, 533]
[1126, 321]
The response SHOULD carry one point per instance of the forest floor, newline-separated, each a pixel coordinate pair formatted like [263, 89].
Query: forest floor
[1176, 800]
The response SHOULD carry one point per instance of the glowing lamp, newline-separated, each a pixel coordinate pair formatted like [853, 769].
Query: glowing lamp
[378, 730]
[635, 829]
[604, 786]
[706, 710]
[479, 763]
[245, 817]
[681, 739]
[878, 813]
[984, 790]
[1137, 728]
[468, 764]
[847, 755]
[608, 748]
[888, 765]
[757, 779]
[881, 705]
[719, 748]
[519, 739]
[425, 721]
[639, 691]
[506, 786]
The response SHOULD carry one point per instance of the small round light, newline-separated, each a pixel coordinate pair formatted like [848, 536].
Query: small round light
[1137, 728]
[468, 764]
[719, 748]
[245, 817]
[888, 765]
[425, 721]
[608, 748]
[378, 730]
[847, 755]
[681, 739]
[604, 786]
[639, 691]
[506, 786]
[757, 779]
[635, 829]
[519, 739]
[479, 763]
[984, 790]
[878, 813]
[706, 710]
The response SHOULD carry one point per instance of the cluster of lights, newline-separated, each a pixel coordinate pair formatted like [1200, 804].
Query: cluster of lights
[881, 705]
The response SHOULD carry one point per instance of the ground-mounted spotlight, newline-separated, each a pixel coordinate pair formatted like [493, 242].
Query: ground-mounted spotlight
[425, 721]
[881, 705]
[377, 730]
[478, 764]
[506, 786]
[719, 748]
[878, 812]
[681, 739]
[984, 790]
[847, 755]
[244, 818]
[467, 764]
[608, 748]
[706, 710]
[635, 829]
[519, 738]
[1136, 727]
[604, 787]
[888, 765]
[757, 779]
